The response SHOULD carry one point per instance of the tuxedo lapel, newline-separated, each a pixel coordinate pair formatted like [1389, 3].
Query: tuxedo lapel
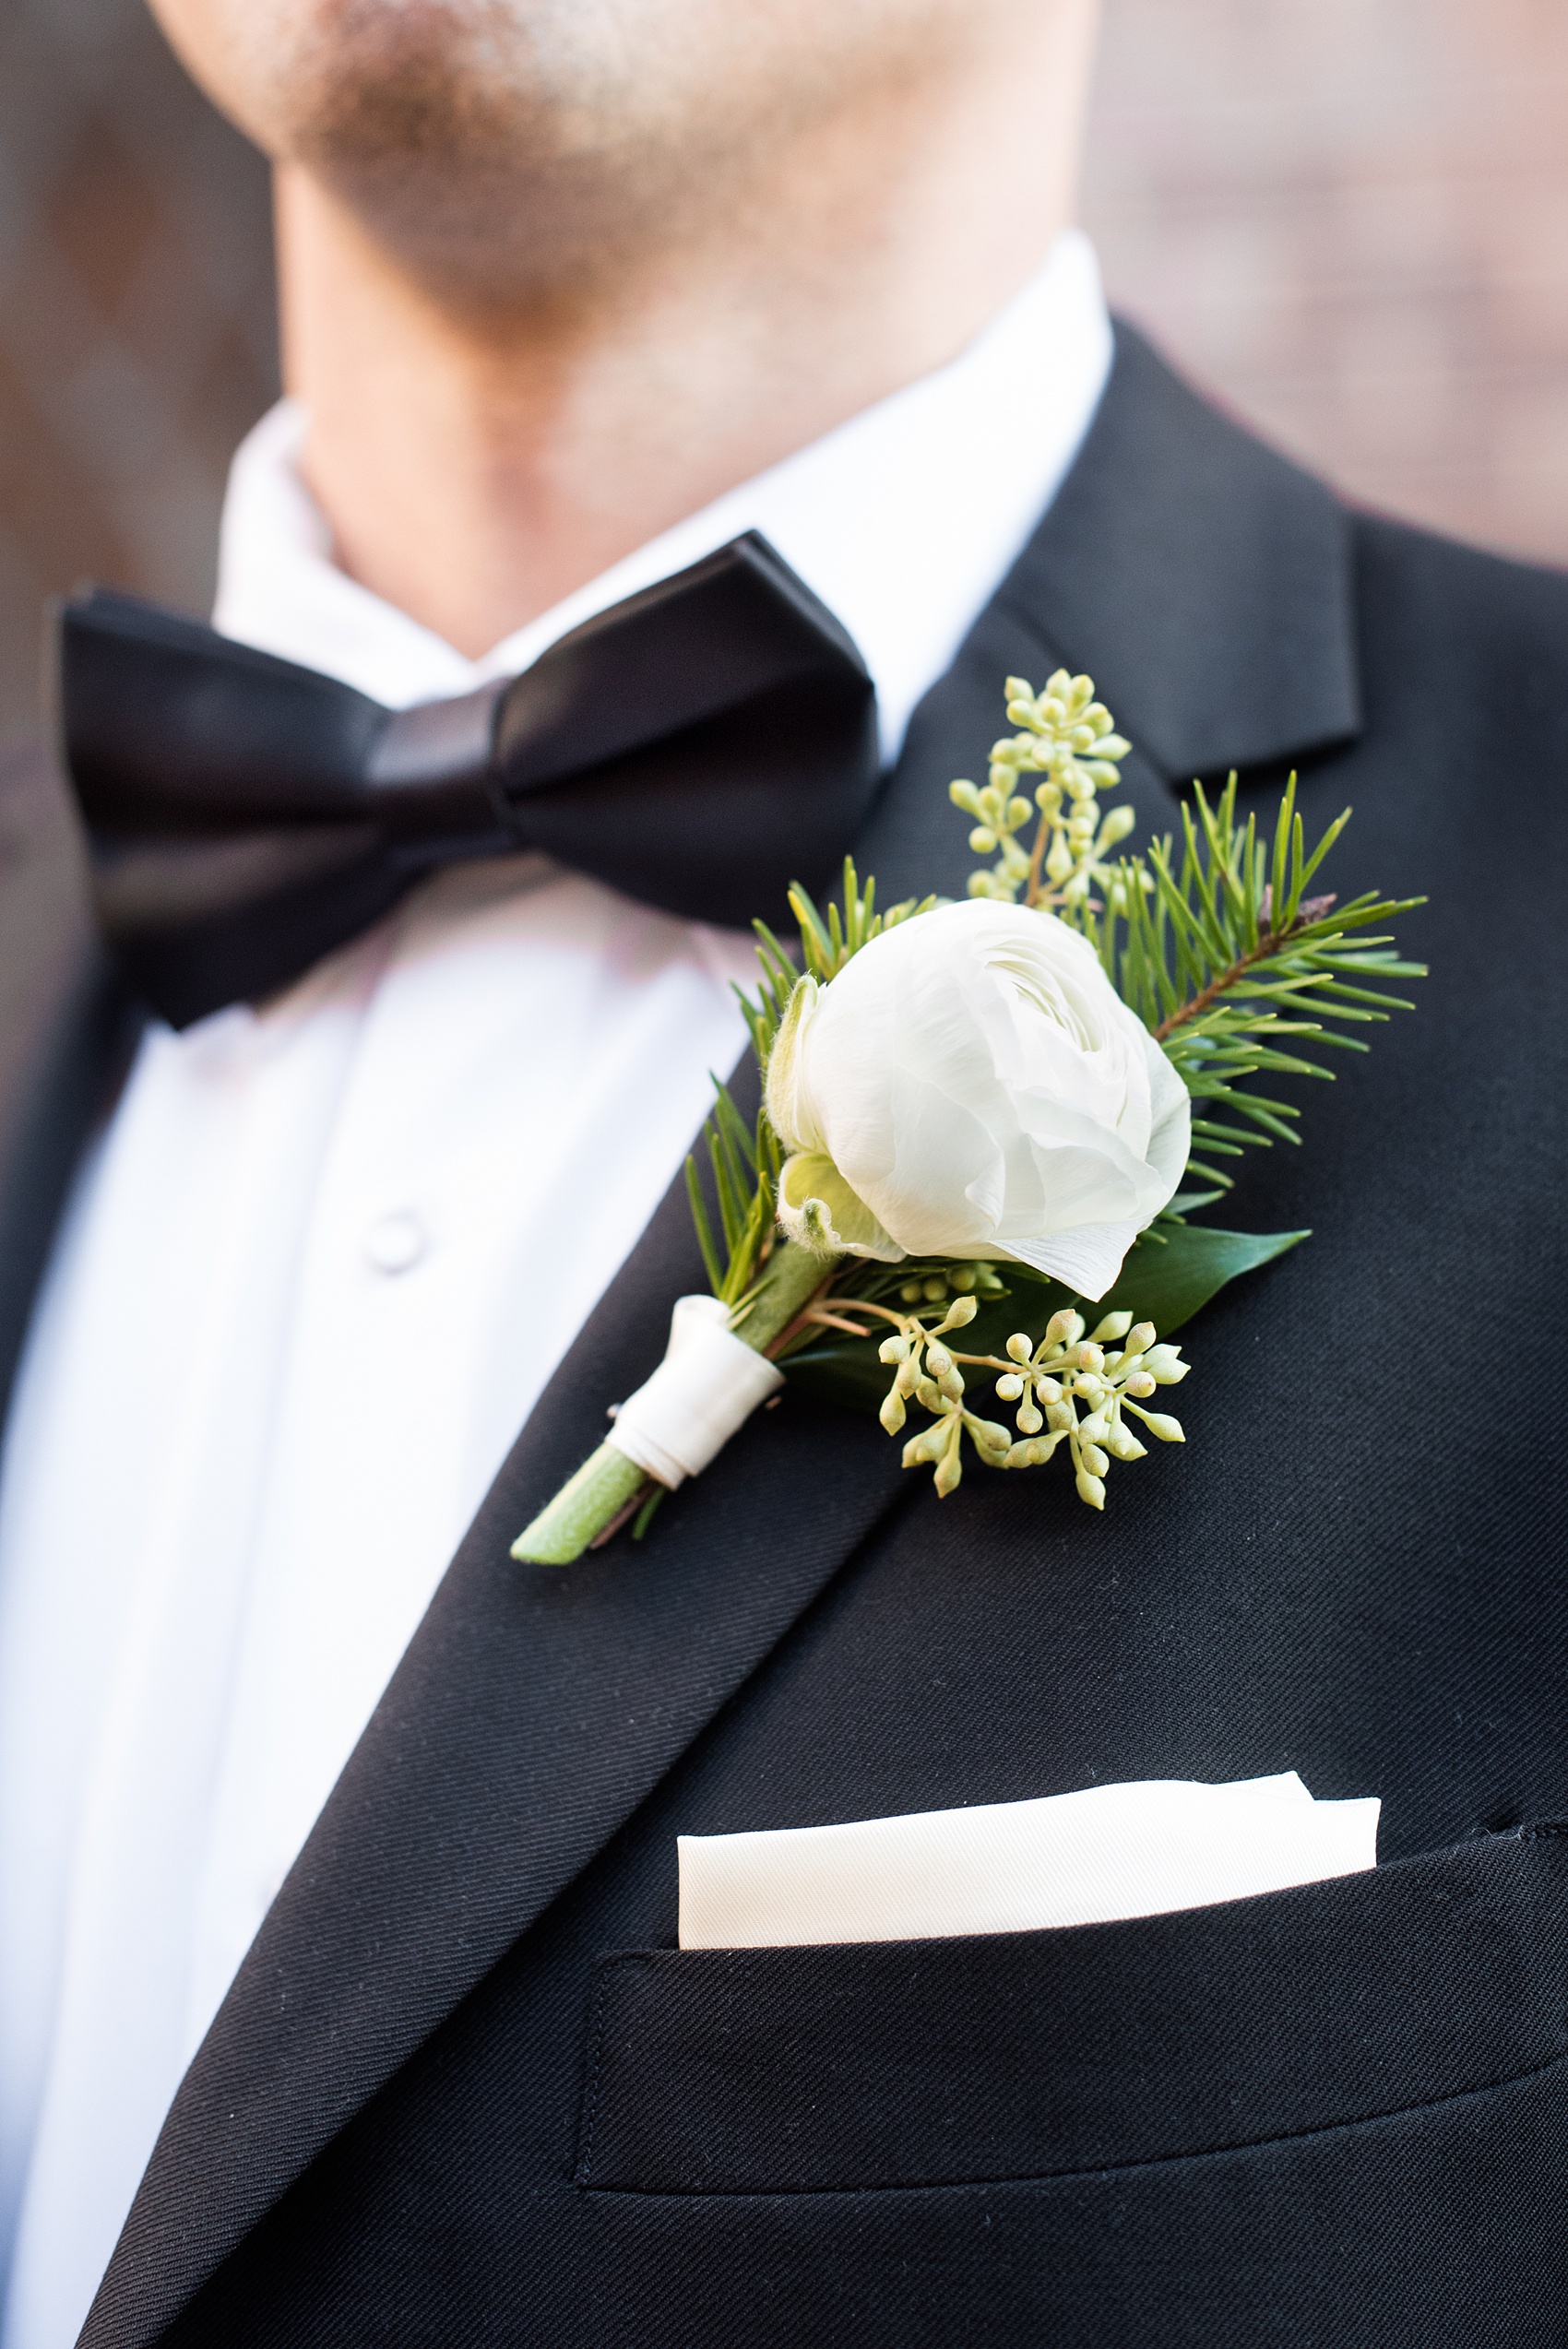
[1205, 582]
[534, 1710]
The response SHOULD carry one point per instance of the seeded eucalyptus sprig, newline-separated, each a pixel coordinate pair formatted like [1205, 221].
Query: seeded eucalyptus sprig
[1071, 739]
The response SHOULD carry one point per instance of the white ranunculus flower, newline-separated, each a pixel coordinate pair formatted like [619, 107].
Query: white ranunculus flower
[972, 1085]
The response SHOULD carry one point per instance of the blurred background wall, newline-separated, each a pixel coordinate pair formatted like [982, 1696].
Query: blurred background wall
[1348, 217]
[136, 337]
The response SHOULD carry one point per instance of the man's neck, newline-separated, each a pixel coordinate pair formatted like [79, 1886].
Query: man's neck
[477, 468]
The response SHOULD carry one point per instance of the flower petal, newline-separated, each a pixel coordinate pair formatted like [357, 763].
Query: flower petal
[819, 1211]
[1088, 1258]
[788, 1107]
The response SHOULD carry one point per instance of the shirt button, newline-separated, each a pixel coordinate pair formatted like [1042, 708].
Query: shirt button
[394, 1243]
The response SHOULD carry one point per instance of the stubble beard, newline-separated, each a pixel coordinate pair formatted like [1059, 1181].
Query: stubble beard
[518, 153]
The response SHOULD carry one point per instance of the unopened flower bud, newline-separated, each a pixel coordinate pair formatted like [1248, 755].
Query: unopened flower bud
[1090, 1358]
[1096, 1427]
[961, 1311]
[1160, 1424]
[1064, 1327]
[1019, 1348]
[1165, 1365]
[951, 1383]
[892, 1413]
[1010, 1388]
[893, 1349]
[1027, 1419]
[1114, 1325]
[1139, 1340]
[1048, 1390]
[938, 1361]
[1124, 1445]
[982, 839]
[1090, 1489]
[949, 1469]
[1094, 1460]
[1061, 1415]
[1140, 1384]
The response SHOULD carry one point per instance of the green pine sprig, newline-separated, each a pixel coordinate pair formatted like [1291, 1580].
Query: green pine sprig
[1230, 963]
[745, 1159]
[827, 945]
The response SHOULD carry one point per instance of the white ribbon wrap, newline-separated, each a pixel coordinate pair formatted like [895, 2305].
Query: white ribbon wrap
[707, 1385]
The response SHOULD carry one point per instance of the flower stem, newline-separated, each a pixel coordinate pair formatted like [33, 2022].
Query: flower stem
[790, 1280]
[1273, 942]
[586, 1505]
[605, 1488]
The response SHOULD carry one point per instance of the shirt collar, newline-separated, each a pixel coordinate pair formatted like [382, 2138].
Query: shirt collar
[903, 520]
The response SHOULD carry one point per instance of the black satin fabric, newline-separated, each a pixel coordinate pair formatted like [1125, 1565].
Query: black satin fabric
[698, 746]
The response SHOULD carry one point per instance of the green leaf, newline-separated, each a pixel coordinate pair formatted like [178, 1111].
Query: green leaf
[1169, 1285]
[1165, 1281]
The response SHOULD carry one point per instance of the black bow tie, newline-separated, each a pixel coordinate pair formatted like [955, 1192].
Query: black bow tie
[698, 746]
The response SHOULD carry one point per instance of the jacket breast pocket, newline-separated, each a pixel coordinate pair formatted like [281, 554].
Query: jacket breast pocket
[1013, 2057]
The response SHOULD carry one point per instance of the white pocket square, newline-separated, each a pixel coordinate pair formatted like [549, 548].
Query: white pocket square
[1110, 1852]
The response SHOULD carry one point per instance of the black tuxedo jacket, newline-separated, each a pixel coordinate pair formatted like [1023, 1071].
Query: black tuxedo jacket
[466, 2090]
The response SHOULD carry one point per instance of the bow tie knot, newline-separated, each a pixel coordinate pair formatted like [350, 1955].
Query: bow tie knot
[697, 746]
[433, 778]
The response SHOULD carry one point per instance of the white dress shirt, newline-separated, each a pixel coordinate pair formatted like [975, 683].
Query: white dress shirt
[328, 1252]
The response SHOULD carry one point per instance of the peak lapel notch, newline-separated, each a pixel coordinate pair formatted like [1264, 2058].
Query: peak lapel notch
[1202, 580]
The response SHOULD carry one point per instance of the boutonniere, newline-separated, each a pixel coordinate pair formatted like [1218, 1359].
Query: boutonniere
[986, 1124]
